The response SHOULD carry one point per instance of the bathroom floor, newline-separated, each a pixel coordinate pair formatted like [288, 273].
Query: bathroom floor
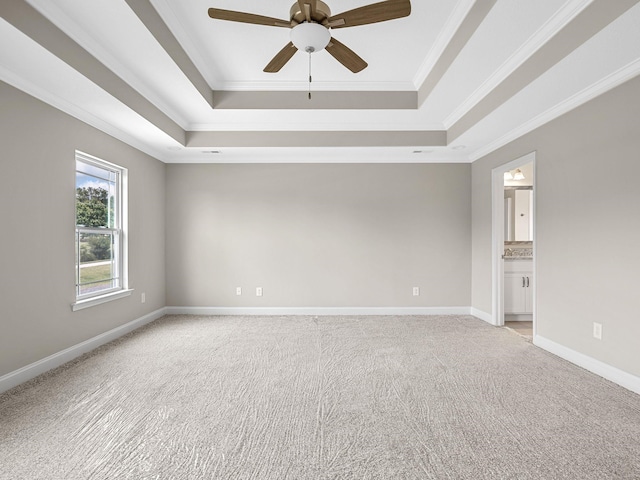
[522, 328]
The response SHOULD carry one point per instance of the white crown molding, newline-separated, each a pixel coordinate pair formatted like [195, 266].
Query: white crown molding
[316, 86]
[316, 126]
[97, 48]
[451, 26]
[557, 22]
[332, 155]
[605, 84]
[191, 47]
[78, 112]
[613, 374]
[319, 311]
[32, 370]
[261, 157]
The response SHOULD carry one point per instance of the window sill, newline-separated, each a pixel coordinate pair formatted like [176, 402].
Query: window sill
[91, 302]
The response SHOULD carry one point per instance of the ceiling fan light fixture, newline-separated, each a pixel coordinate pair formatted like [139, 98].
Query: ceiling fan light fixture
[310, 37]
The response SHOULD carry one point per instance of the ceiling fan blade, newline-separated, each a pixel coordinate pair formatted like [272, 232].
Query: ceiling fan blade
[234, 16]
[374, 13]
[345, 56]
[281, 58]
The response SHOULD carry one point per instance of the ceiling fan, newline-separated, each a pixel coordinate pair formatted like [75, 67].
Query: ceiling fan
[311, 23]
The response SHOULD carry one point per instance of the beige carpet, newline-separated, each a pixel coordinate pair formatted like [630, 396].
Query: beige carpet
[320, 398]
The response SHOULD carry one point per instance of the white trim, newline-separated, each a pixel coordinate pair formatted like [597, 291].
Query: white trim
[119, 230]
[622, 378]
[497, 236]
[296, 86]
[32, 370]
[390, 155]
[497, 244]
[556, 23]
[602, 86]
[124, 228]
[315, 126]
[189, 43]
[318, 311]
[487, 317]
[451, 27]
[93, 301]
[518, 317]
[86, 40]
[78, 112]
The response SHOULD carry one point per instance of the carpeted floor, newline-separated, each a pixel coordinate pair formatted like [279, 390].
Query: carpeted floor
[319, 398]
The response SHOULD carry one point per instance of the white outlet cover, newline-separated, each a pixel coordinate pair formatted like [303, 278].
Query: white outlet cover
[597, 330]
[416, 291]
[258, 291]
[238, 290]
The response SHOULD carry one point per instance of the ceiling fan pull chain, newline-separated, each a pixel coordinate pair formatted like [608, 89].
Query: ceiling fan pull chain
[309, 75]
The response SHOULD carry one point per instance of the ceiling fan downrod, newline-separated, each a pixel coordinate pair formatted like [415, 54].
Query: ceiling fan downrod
[310, 50]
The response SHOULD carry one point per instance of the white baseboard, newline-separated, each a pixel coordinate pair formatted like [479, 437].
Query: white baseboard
[518, 317]
[487, 317]
[613, 374]
[320, 311]
[32, 370]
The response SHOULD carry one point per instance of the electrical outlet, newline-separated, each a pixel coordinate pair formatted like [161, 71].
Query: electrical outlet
[143, 297]
[238, 290]
[597, 330]
[258, 291]
[416, 291]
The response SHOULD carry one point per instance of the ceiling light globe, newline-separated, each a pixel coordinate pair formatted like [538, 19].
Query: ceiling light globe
[310, 37]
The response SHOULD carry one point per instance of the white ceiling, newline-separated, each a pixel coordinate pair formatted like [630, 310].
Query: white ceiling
[403, 55]
[234, 54]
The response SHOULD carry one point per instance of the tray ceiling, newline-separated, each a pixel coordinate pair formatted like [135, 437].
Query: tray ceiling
[450, 83]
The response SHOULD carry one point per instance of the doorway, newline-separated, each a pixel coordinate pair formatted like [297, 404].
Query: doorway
[516, 276]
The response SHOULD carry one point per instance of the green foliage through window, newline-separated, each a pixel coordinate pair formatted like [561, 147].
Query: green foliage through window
[92, 207]
[95, 247]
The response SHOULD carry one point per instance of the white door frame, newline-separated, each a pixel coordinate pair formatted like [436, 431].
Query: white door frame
[497, 237]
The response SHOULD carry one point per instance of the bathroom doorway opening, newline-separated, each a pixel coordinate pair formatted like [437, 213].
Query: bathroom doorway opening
[518, 280]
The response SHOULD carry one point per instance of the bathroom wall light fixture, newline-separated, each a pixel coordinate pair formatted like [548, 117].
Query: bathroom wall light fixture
[515, 175]
[518, 175]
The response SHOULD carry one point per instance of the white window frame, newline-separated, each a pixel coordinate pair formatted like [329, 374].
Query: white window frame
[119, 231]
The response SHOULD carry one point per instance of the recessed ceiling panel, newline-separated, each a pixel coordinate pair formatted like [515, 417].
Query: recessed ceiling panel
[68, 90]
[236, 53]
[231, 57]
[111, 32]
[507, 27]
[604, 61]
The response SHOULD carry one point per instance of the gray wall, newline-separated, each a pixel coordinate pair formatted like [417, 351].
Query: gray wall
[324, 235]
[316, 235]
[588, 226]
[37, 192]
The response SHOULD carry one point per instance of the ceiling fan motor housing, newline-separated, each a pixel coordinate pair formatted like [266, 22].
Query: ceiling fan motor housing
[321, 13]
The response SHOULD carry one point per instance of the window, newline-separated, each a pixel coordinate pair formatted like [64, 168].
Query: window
[100, 240]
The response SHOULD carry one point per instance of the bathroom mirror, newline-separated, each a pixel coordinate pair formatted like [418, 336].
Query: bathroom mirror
[518, 214]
